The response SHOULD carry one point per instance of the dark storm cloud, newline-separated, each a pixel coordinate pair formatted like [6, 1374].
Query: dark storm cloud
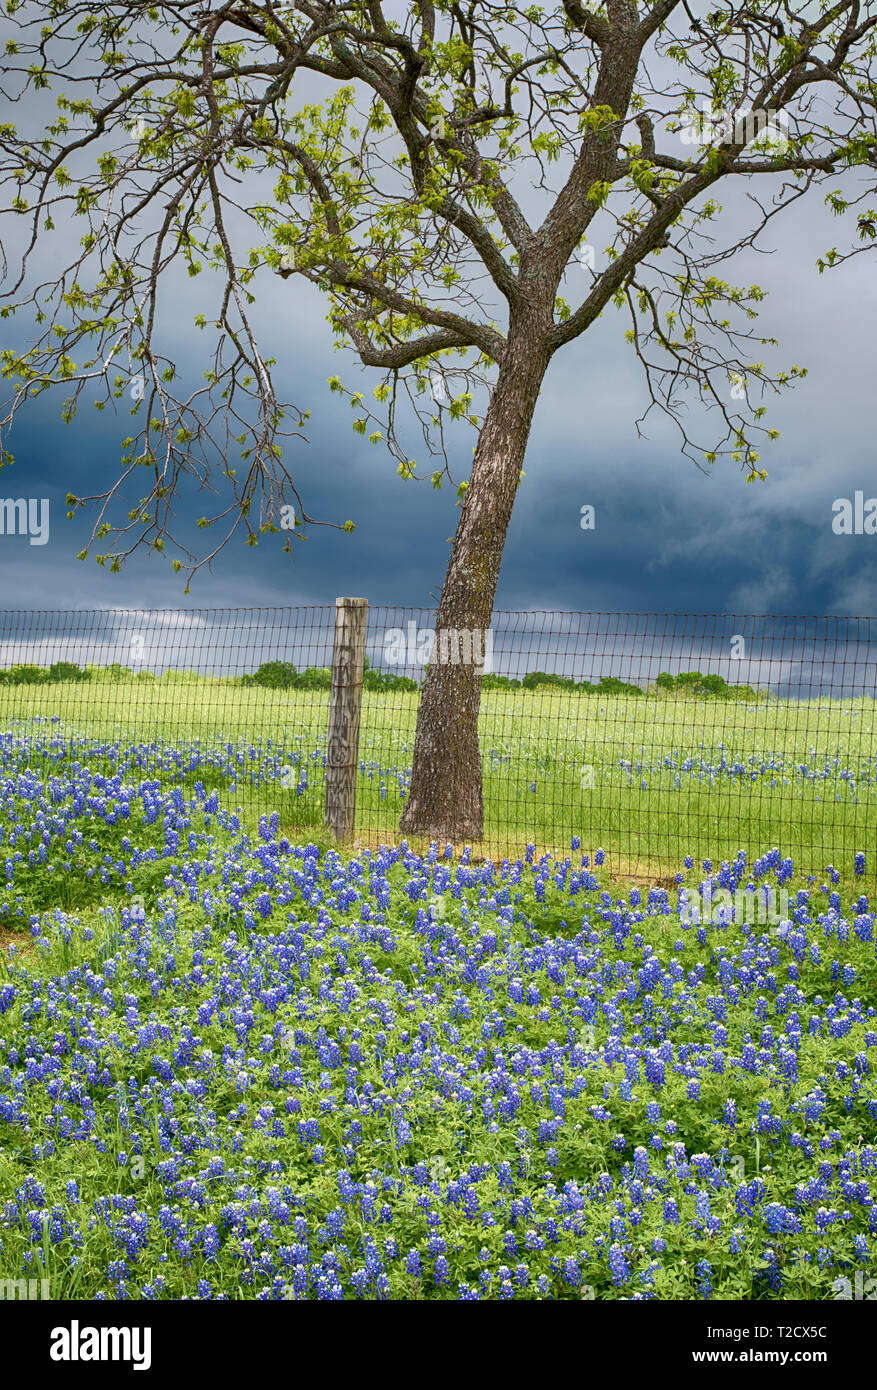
[667, 538]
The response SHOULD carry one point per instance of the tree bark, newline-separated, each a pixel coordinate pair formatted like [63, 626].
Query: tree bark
[446, 799]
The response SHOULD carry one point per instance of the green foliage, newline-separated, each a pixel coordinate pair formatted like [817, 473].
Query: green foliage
[313, 678]
[611, 685]
[491, 682]
[282, 675]
[22, 675]
[385, 680]
[27, 674]
[709, 686]
[607, 685]
[534, 679]
[113, 672]
[66, 671]
[276, 675]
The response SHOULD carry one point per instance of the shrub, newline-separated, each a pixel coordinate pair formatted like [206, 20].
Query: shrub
[696, 683]
[22, 675]
[611, 685]
[384, 680]
[66, 671]
[314, 678]
[491, 682]
[276, 675]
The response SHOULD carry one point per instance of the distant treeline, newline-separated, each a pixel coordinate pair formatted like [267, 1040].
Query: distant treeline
[282, 675]
[695, 683]
[69, 671]
[609, 685]
[686, 683]
[273, 675]
[39, 675]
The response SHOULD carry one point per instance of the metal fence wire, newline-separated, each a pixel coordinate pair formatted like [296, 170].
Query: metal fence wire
[650, 737]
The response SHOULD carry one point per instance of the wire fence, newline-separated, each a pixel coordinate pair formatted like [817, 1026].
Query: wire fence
[648, 736]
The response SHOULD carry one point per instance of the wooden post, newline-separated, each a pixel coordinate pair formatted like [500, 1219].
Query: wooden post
[342, 753]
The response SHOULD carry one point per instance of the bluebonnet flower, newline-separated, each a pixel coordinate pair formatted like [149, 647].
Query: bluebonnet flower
[305, 1020]
[618, 1265]
[704, 1278]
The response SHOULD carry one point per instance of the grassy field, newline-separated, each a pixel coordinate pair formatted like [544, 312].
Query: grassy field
[646, 779]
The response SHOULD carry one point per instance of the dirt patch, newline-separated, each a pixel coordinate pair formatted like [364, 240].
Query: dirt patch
[23, 941]
[617, 868]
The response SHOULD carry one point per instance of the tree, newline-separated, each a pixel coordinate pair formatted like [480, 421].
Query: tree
[277, 675]
[66, 671]
[406, 197]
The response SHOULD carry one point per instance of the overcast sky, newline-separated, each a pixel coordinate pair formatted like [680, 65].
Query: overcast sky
[667, 538]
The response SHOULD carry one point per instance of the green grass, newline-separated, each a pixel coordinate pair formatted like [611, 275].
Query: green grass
[535, 749]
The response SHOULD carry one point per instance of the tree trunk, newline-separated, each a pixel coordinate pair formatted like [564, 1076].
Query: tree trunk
[446, 801]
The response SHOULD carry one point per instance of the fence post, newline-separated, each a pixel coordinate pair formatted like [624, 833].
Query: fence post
[342, 752]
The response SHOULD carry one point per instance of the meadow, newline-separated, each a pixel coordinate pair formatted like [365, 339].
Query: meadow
[642, 778]
[239, 1063]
